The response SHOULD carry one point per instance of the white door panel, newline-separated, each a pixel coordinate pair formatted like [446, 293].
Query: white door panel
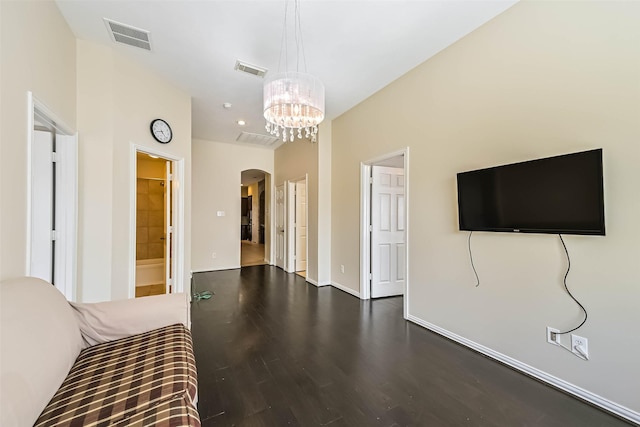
[41, 264]
[301, 225]
[387, 235]
[280, 226]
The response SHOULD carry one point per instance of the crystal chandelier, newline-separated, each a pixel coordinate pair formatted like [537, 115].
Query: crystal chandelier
[293, 100]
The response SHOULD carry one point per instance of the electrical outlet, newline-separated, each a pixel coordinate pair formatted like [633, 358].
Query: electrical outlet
[213, 255]
[580, 346]
[552, 336]
[341, 268]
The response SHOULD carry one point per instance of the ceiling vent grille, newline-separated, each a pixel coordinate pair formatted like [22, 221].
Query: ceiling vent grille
[250, 69]
[128, 35]
[256, 138]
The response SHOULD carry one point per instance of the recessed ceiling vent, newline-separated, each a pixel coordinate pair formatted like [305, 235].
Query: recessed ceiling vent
[256, 138]
[128, 35]
[250, 69]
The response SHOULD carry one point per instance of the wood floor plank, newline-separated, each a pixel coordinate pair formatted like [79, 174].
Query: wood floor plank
[273, 350]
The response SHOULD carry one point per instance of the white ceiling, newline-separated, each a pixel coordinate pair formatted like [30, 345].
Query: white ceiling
[355, 47]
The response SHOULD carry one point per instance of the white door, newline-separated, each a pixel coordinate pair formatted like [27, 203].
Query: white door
[387, 232]
[168, 228]
[280, 237]
[42, 205]
[301, 225]
[53, 209]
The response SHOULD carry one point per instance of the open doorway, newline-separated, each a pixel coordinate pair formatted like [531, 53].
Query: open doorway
[154, 217]
[384, 224]
[53, 199]
[253, 217]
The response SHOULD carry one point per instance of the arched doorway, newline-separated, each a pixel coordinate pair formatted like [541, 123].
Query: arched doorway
[254, 217]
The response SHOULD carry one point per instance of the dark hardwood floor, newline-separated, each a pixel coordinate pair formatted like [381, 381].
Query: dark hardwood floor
[272, 350]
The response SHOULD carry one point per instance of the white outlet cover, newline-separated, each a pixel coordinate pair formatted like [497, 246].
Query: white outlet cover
[583, 343]
[550, 340]
[220, 213]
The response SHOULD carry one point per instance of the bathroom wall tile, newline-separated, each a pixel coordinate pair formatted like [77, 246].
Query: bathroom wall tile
[142, 218]
[142, 186]
[156, 202]
[142, 251]
[142, 235]
[156, 187]
[156, 250]
[156, 219]
[142, 202]
[156, 234]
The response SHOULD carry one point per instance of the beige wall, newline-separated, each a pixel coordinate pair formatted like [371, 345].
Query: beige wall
[542, 79]
[117, 100]
[324, 203]
[38, 54]
[216, 187]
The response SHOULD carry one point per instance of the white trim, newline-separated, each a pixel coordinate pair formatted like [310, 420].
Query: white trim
[30, 136]
[345, 289]
[290, 245]
[207, 270]
[365, 244]
[179, 220]
[365, 234]
[563, 385]
[318, 284]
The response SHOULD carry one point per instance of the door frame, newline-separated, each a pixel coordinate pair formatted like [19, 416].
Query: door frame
[365, 220]
[66, 196]
[275, 226]
[290, 217]
[177, 243]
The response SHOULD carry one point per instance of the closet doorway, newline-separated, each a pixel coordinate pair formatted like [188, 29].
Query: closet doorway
[52, 204]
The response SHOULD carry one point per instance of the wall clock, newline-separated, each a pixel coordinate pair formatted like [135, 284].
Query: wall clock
[161, 131]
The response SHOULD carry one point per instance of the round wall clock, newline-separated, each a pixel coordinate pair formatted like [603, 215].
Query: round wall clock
[161, 131]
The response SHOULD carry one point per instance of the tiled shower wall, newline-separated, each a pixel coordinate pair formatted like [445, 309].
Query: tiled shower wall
[150, 219]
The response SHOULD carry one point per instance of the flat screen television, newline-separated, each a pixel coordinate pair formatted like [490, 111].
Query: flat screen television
[559, 195]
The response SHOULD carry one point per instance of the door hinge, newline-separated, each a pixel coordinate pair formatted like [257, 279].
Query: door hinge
[370, 228]
[170, 229]
[370, 276]
[53, 235]
[170, 177]
[54, 156]
[370, 180]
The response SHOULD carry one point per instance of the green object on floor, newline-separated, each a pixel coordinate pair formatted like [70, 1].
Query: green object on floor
[197, 296]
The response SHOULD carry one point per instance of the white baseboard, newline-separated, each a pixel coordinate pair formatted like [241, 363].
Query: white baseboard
[316, 283]
[579, 392]
[205, 270]
[345, 289]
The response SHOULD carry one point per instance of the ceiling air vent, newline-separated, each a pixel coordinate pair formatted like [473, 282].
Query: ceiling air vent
[256, 138]
[128, 35]
[250, 69]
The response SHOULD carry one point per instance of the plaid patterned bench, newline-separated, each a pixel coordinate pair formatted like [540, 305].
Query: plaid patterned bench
[143, 380]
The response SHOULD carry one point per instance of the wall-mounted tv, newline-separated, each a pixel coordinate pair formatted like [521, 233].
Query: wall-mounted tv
[559, 195]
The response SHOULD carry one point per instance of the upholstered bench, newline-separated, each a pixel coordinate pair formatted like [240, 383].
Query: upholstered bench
[121, 363]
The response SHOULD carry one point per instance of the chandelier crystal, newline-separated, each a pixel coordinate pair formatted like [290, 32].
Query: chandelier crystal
[293, 100]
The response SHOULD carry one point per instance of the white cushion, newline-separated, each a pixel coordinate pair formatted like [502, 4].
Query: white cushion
[39, 342]
[108, 321]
